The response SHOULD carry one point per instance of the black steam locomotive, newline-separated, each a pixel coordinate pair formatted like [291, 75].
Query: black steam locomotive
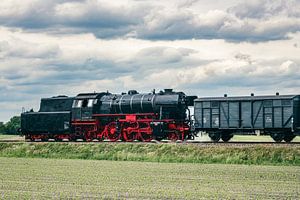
[164, 115]
[99, 116]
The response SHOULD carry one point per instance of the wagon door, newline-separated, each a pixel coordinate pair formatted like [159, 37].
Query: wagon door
[215, 112]
[287, 113]
[277, 110]
[198, 114]
[268, 112]
[246, 114]
[206, 115]
[224, 114]
[257, 114]
[234, 114]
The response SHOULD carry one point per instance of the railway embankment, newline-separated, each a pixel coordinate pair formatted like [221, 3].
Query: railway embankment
[259, 154]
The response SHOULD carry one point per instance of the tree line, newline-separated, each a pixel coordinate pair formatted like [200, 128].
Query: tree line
[12, 126]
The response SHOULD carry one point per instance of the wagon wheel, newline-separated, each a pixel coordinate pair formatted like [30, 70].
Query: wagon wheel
[226, 137]
[277, 137]
[289, 137]
[112, 133]
[215, 137]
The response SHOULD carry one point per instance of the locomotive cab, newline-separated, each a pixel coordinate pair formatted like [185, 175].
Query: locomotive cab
[85, 105]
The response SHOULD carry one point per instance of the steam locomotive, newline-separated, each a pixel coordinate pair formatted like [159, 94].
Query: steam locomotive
[164, 115]
[98, 116]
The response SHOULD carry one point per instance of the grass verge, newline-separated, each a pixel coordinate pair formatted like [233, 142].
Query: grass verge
[258, 155]
[11, 137]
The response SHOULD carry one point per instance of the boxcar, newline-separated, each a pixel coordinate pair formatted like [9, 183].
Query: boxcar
[222, 117]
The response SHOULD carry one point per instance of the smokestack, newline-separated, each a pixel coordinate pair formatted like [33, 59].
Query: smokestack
[252, 94]
[225, 95]
[277, 93]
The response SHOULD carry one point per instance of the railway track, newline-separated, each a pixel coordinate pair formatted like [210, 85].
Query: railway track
[192, 142]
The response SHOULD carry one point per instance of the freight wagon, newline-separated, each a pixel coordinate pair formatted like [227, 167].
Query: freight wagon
[222, 117]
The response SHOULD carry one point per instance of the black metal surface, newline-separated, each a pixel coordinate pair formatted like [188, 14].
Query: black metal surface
[45, 122]
[54, 104]
[55, 112]
[269, 113]
[169, 104]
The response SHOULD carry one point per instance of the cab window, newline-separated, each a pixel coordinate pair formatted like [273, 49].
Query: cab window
[78, 103]
[90, 103]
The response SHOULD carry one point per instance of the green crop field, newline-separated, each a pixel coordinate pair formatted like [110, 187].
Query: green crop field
[33, 178]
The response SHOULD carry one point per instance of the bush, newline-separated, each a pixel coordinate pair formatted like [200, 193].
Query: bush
[12, 126]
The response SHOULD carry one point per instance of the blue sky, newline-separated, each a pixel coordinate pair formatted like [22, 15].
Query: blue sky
[205, 48]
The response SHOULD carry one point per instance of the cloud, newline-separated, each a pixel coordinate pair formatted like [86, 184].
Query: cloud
[104, 19]
[253, 21]
[40, 62]
[161, 56]
[23, 49]
[266, 9]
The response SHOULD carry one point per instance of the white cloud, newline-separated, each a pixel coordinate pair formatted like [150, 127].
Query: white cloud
[253, 21]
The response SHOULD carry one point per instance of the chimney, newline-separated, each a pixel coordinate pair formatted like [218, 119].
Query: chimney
[252, 94]
[225, 95]
[277, 93]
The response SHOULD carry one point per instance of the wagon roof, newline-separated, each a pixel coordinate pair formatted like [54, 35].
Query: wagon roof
[237, 98]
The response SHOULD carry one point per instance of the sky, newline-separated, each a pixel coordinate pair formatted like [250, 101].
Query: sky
[201, 47]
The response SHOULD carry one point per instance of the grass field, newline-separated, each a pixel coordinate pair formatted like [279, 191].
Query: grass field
[180, 153]
[29, 178]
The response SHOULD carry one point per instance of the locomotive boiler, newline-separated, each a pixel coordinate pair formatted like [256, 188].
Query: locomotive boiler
[98, 116]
